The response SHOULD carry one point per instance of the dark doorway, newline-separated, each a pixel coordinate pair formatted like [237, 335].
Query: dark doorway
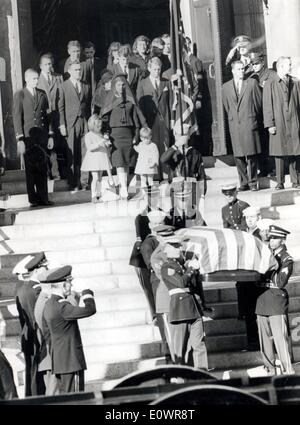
[55, 22]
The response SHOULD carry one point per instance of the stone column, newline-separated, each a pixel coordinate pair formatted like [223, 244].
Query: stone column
[282, 23]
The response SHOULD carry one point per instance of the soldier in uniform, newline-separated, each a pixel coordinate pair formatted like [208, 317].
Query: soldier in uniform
[61, 329]
[187, 331]
[26, 297]
[241, 52]
[158, 230]
[232, 213]
[34, 133]
[272, 306]
[248, 292]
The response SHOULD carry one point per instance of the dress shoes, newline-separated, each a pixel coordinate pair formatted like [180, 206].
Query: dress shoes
[33, 205]
[279, 186]
[296, 186]
[244, 188]
[254, 188]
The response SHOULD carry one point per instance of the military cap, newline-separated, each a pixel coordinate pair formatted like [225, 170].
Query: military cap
[241, 40]
[256, 57]
[164, 230]
[36, 261]
[59, 274]
[276, 232]
[229, 188]
[251, 211]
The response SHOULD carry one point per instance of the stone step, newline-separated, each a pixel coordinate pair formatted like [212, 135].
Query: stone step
[31, 231]
[19, 187]
[13, 176]
[26, 246]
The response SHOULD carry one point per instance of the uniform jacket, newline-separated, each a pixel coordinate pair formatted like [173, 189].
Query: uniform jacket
[281, 109]
[26, 298]
[134, 74]
[275, 301]
[162, 299]
[147, 248]
[72, 105]
[183, 305]
[243, 116]
[263, 75]
[142, 229]
[194, 163]
[60, 317]
[30, 111]
[232, 215]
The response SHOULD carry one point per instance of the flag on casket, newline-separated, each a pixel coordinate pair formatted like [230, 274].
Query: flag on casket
[226, 249]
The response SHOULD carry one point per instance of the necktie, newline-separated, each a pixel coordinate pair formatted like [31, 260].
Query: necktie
[49, 79]
[77, 87]
[156, 86]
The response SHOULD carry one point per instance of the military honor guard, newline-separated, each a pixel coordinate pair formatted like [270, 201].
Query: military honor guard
[185, 316]
[27, 294]
[34, 133]
[248, 292]
[241, 51]
[60, 324]
[232, 213]
[272, 306]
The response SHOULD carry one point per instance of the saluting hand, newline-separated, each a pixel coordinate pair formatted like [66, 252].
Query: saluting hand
[50, 145]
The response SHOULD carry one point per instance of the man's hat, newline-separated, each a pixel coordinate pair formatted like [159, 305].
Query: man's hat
[265, 223]
[164, 230]
[59, 274]
[29, 263]
[276, 232]
[241, 40]
[229, 188]
[251, 211]
[256, 57]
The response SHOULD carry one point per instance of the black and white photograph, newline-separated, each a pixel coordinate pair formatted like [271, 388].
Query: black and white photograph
[150, 205]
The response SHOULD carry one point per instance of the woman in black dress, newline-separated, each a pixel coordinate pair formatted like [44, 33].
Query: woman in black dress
[124, 120]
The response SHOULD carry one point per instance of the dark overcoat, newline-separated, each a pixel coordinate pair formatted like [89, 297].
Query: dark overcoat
[60, 317]
[156, 108]
[281, 109]
[243, 116]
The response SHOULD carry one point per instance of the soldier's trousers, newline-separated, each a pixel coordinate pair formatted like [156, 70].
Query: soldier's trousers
[189, 337]
[273, 338]
[144, 276]
[70, 382]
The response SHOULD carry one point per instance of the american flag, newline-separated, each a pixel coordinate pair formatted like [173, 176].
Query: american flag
[178, 53]
[226, 249]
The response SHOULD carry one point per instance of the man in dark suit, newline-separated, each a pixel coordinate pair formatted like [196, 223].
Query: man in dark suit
[96, 64]
[34, 133]
[51, 83]
[75, 55]
[242, 100]
[26, 297]
[130, 69]
[61, 326]
[74, 108]
[154, 97]
[185, 316]
[272, 306]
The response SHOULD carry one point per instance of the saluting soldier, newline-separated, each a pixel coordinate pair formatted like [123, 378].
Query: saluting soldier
[272, 306]
[187, 330]
[232, 213]
[241, 51]
[26, 297]
[61, 328]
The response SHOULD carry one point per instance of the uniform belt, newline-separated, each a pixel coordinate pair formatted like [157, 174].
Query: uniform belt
[178, 291]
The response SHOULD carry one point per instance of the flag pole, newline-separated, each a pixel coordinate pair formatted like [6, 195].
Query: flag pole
[178, 48]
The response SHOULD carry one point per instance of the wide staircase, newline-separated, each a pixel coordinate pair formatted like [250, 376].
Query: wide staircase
[96, 239]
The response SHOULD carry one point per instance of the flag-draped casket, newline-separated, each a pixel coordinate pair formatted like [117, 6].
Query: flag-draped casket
[226, 249]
